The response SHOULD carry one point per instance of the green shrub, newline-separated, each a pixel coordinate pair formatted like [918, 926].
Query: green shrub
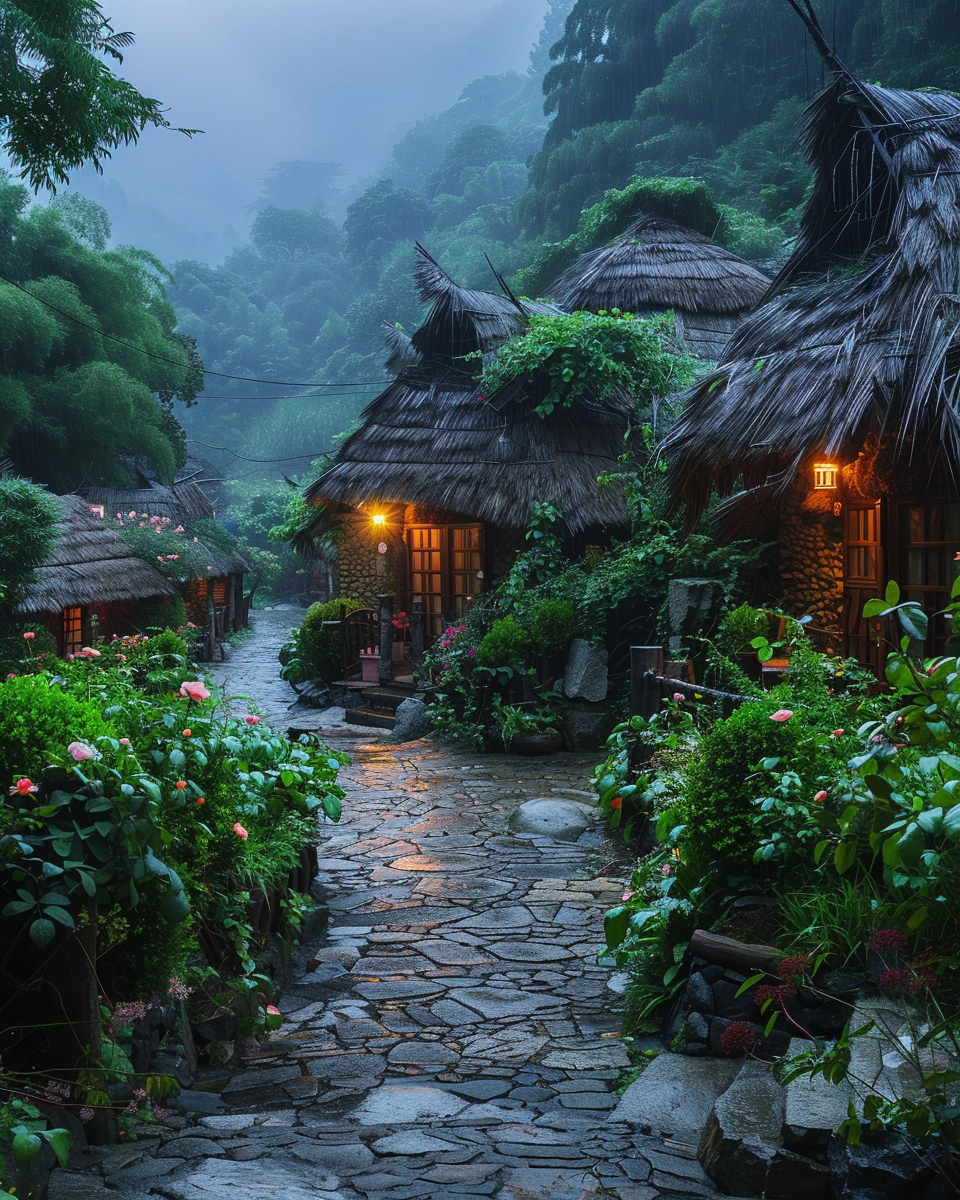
[740, 626]
[166, 612]
[505, 644]
[553, 625]
[317, 646]
[38, 720]
[723, 781]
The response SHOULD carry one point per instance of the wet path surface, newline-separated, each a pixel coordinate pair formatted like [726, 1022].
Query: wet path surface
[451, 1033]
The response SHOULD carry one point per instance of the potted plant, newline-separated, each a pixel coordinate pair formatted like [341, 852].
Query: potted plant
[527, 730]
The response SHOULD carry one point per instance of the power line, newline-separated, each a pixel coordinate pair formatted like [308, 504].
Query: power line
[245, 458]
[359, 390]
[175, 362]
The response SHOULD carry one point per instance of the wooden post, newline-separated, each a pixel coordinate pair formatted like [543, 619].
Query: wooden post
[646, 663]
[385, 670]
[416, 639]
[210, 633]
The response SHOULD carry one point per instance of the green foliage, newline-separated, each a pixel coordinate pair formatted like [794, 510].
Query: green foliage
[316, 649]
[166, 612]
[591, 354]
[38, 718]
[506, 644]
[28, 519]
[740, 626]
[725, 778]
[60, 104]
[553, 625]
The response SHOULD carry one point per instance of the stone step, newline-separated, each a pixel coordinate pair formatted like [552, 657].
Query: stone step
[385, 699]
[675, 1095]
[367, 716]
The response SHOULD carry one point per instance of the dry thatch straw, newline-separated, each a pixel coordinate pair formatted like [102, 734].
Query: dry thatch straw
[90, 563]
[431, 438]
[656, 265]
[861, 334]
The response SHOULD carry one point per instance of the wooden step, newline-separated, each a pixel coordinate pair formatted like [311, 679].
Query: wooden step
[367, 716]
[384, 699]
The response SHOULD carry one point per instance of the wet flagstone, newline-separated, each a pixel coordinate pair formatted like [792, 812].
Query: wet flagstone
[452, 1034]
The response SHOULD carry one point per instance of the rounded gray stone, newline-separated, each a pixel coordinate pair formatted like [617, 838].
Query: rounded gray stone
[560, 819]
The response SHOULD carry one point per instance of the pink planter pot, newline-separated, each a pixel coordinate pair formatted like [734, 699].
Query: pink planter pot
[369, 667]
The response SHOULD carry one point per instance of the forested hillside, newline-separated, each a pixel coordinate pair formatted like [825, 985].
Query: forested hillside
[617, 90]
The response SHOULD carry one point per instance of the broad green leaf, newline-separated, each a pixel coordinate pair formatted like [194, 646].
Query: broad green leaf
[25, 1147]
[845, 856]
[918, 918]
[60, 1141]
[910, 846]
[892, 593]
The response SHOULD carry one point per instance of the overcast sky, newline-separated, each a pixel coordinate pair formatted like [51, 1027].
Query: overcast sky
[294, 79]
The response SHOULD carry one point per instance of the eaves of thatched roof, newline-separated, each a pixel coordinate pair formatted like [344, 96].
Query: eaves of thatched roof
[656, 264]
[90, 563]
[438, 442]
[861, 332]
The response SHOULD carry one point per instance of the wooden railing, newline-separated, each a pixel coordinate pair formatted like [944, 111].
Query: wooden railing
[653, 680]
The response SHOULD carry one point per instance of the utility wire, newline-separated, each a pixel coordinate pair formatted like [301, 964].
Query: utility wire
[285, 458]
[176, 362]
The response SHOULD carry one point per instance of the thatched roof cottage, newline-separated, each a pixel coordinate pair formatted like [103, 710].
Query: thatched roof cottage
[656, 265]
[434, 490]
[839, 396]
[91, 582]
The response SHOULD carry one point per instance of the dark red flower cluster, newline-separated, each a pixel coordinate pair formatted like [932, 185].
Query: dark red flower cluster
[792, 968]
[737, 1036]
[925, 978]
[895, 979]
[769, 991]
[888, 939]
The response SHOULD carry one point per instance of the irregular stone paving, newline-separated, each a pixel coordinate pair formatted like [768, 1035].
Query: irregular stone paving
[451, 1034]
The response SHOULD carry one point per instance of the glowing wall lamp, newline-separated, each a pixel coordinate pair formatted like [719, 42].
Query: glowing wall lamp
[379, 520]
[825, 476]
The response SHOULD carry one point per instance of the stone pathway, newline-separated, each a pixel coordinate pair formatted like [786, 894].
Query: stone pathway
[451, 1034]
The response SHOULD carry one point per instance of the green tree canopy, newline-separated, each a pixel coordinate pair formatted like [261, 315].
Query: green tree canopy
[60, 104]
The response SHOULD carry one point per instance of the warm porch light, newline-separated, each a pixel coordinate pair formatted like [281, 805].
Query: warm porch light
[824, 476]
[379, 519]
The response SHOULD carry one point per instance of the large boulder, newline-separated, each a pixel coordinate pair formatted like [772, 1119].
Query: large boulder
[585, 677]
[674, 1095]
[413, 721]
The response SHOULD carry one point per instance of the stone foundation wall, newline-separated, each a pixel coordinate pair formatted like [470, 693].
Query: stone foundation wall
[811, 555]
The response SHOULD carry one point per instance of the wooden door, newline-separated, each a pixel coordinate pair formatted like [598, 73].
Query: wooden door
[862, 579]
[445, 566]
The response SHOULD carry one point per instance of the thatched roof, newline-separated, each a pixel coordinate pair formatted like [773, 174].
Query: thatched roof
[461, 321]
[431, 438]
[869, 343]
[90, 563]
[182, 501]
[656, 265]
[432, 441]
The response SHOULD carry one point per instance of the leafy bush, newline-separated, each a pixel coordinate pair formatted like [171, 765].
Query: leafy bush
[506, 644]
[316, 652]
[37, 720]
[724, 779]
[740, 626]
[553, 625]
[166, 612]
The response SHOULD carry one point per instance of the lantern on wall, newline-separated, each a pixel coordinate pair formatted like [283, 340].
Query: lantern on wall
[825, 476]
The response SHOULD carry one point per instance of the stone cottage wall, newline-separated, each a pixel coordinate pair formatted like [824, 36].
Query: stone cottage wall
[364, 573]
[811, 555]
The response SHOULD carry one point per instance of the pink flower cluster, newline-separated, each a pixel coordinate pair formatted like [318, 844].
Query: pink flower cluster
[450, 633]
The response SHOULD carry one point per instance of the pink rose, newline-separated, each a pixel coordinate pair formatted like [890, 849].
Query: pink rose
[678, 696]
[79, 751]
[193, 689]
[252, 720]
[29, 636]
[838, 733]
[781, 715]
[23, 787]
[820, 797]
[124, 741]
[239, 830]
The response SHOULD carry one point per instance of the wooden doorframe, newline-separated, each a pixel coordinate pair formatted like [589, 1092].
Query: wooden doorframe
[448, 596]
[863, 578]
